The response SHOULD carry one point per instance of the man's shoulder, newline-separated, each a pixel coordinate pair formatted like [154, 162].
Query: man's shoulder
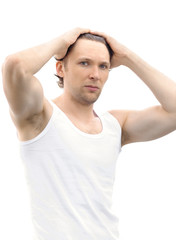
[120, 115]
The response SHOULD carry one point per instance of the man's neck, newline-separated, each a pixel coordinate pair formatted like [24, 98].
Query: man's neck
[75, 109]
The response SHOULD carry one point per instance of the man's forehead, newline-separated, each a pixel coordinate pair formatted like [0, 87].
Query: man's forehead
[90, 47]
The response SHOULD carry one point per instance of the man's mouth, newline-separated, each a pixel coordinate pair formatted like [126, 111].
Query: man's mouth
[92, 88]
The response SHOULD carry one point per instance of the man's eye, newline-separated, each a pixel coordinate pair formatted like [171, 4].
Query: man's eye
[84, 63]
[103, 66]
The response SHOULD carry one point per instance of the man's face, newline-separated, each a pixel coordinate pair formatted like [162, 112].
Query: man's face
[86, 71]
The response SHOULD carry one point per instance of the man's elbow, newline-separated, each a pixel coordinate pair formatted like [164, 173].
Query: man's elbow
[12, 69]
[11, 63]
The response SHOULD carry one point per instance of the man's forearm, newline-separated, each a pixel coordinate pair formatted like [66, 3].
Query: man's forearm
[162, 87]
[33, 59]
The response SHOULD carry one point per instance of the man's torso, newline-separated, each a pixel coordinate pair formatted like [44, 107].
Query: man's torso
[32, 127]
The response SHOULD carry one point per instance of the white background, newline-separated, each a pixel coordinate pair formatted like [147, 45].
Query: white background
[144, 192]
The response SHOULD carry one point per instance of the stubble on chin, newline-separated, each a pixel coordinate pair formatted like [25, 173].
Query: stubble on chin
[88, 98]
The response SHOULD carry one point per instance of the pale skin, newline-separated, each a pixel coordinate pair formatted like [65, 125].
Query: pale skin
[84, 76]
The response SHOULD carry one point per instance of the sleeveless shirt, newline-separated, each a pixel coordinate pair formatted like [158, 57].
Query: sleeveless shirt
[70, 176]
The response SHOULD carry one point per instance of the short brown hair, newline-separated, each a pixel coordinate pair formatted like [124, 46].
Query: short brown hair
[88, 36]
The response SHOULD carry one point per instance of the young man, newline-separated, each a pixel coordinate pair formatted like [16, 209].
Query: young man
[68, 150]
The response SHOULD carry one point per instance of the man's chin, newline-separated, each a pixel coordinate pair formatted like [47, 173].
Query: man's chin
[89, 100]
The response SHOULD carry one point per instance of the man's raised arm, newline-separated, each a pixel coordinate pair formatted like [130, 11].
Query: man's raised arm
[23, 91]
[153, 122]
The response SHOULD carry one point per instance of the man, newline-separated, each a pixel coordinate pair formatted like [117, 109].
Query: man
[68, 150]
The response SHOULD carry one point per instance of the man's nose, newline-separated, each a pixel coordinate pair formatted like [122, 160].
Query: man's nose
[95, 73]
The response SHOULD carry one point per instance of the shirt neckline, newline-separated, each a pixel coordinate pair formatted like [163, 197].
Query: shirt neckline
[97, 135]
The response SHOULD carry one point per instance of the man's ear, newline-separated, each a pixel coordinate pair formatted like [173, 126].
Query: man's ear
[59, 68]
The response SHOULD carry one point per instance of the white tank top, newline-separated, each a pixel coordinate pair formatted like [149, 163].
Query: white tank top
[70, 175]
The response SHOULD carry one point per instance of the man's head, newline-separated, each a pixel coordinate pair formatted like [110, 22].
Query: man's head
[85, 68]
[88, 36]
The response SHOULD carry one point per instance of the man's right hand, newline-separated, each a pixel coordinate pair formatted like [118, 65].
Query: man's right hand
[68, 39]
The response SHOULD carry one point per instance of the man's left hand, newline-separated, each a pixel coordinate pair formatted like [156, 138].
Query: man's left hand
[120, 52]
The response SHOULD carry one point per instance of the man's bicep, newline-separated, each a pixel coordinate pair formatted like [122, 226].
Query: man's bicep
[147, 124]
[25, 98]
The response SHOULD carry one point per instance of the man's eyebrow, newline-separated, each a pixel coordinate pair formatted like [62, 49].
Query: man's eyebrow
[104, 62]
[85, 59]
